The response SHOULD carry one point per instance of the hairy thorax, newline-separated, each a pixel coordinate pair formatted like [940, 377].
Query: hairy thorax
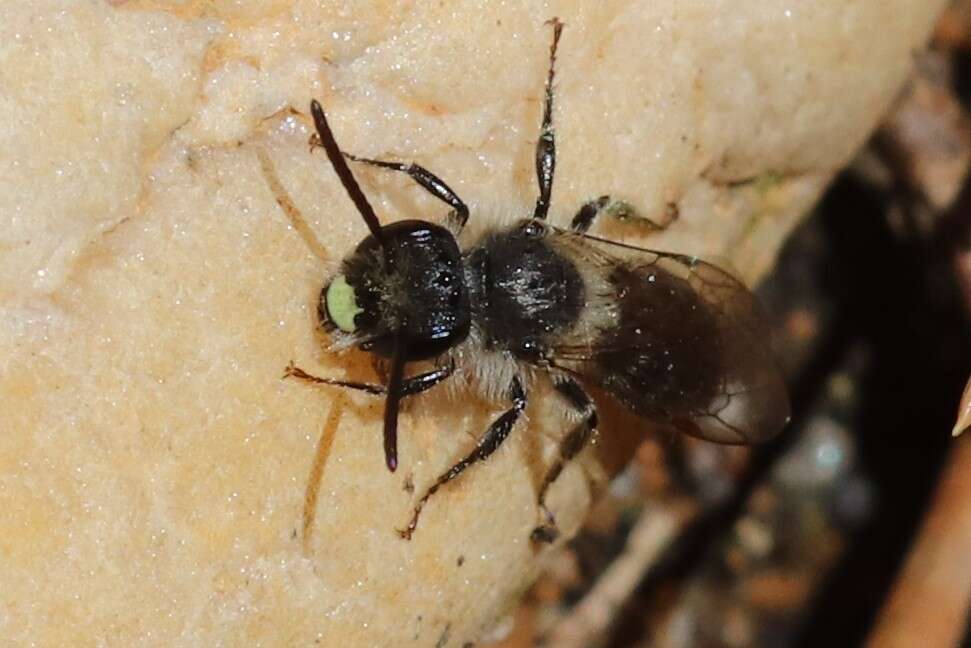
[523, 293]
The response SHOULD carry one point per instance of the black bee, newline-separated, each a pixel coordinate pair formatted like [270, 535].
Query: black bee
[676, 340]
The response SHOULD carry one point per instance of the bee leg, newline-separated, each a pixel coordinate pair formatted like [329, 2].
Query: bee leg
[570, 447]
[588, 213]
[488, 444]
[429, 182]
[620, 210]
[546, 145]
[409, 387]
[423, 381]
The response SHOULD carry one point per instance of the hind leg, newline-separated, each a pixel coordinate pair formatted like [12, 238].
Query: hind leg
[619, 210]
[570, 447]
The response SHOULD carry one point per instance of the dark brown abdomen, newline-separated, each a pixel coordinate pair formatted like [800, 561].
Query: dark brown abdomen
[665, 359]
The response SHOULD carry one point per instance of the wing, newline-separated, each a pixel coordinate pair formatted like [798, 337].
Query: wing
[684, 342]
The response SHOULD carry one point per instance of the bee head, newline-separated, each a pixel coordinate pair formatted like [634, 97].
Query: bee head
[407, 288]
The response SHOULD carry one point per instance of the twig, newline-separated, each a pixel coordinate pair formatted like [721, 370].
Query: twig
[964, 412]
[592, 616]
[931, 600]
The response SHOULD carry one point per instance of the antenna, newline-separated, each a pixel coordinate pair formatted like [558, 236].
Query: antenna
[393, 398]
[344, 172]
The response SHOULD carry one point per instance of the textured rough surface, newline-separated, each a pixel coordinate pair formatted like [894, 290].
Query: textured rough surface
[153, 466]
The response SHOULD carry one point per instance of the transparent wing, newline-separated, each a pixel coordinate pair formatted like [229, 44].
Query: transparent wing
[688, 346]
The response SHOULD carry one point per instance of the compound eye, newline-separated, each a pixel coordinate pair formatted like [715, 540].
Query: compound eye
[342, 305]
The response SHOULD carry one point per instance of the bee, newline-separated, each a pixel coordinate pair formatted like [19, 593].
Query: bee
[675, 340]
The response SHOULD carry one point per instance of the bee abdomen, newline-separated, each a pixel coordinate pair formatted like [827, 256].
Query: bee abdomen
[663, 358]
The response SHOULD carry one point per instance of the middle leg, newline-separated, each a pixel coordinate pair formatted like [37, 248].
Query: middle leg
[488, 444]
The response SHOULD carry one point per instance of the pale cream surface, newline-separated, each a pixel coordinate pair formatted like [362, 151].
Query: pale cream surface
[153, 466]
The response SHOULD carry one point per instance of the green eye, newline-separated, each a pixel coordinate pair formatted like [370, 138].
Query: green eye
[342, 304]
